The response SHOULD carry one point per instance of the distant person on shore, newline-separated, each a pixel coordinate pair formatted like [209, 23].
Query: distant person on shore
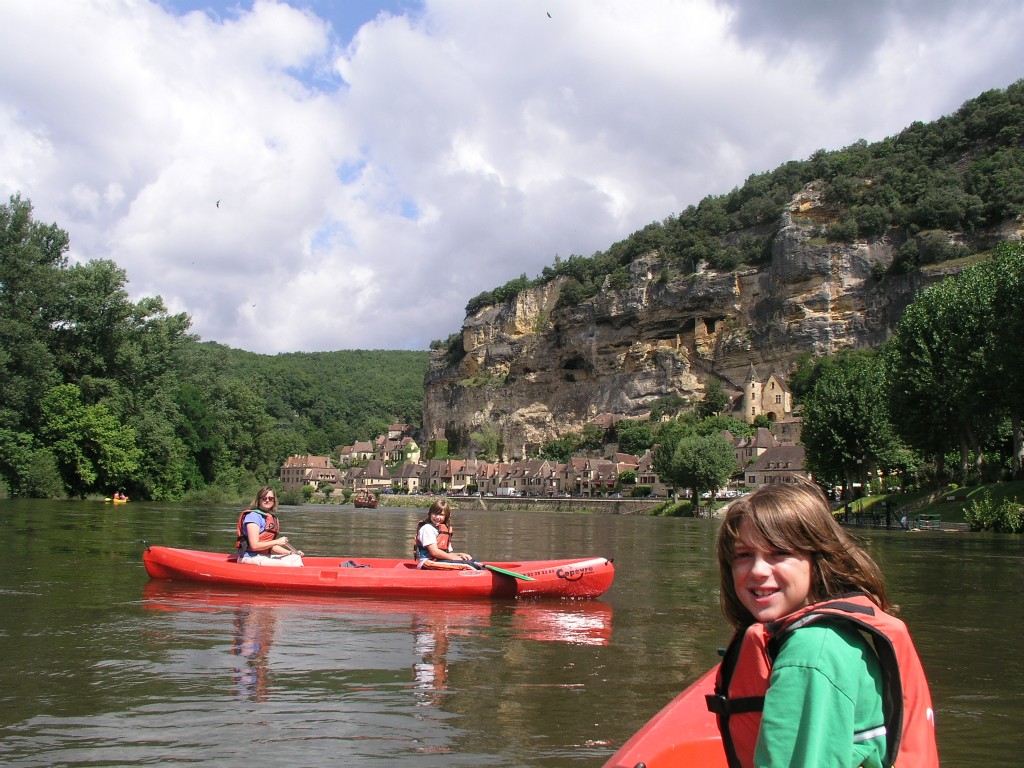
[259, 541]
[818, 672]
[432, 546]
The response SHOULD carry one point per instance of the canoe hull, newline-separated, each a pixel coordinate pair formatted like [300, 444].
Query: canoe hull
[682, 734]
[385, 577]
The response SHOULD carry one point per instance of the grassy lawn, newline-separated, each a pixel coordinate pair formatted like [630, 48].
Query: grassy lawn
[949, 505]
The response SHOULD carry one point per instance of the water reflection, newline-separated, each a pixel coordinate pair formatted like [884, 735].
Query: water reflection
[430, 670]
[439, 632]
[254, 632]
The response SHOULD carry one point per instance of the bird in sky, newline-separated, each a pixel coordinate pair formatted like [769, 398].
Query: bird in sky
[218, 203]
[549, 14]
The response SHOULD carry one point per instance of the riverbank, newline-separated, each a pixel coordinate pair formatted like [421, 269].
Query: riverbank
[511, 504]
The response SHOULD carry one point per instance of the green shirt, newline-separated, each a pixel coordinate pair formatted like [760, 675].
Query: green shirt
[825, 689]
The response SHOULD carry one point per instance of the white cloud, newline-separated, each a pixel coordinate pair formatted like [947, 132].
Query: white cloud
[369, 188]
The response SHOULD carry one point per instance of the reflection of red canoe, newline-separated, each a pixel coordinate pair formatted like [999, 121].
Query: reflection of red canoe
[576, 622]
[579, 622]
[684, 733]
[386, 577]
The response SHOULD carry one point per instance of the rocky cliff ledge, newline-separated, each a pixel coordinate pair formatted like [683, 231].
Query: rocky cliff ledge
[534, 372]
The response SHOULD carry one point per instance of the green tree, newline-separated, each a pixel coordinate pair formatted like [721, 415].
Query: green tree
[28, 469]
[562, 448]
[31, 257]
[847, 429]
[938, 367]
[94, 451]
[714, 401]
[592, 438]
[1005, 369]
[701, 463]
[485, 442]
[635, 436]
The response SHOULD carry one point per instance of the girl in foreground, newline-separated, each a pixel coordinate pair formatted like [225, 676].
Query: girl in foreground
[818, 673]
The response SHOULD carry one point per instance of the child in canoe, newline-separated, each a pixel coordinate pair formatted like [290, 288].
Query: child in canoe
[432, 546]
[818, 672]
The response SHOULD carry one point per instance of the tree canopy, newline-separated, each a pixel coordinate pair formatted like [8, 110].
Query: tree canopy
[99, 393]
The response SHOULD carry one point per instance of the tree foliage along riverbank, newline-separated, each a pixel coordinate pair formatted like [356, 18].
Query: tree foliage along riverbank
[99, 393]
[943, 394]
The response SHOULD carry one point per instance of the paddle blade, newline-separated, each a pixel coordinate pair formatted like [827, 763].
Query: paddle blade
[513, 574]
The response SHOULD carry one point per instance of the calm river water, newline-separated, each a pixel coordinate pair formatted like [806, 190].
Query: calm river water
[102, 667]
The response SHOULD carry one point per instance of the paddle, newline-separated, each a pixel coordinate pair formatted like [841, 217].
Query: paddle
[502, 571]
[292, 549]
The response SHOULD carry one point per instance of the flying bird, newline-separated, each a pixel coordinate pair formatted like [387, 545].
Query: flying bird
[549, 14]
[218, 203]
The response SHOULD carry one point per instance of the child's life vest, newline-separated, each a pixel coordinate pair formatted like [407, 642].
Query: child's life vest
[744, 674]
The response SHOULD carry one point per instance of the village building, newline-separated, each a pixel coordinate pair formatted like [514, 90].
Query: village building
[374, 476]
[302, 470]
[645, 475]
[359, 451]
[748, 449]
[783, 464]
[406, 479]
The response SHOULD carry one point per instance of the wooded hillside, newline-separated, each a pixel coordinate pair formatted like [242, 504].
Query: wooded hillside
[99, 393]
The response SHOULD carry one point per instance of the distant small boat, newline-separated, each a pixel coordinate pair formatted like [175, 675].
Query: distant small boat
[116, 501]
[365, 500]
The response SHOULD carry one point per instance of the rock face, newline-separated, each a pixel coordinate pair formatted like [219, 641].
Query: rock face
[533, 372]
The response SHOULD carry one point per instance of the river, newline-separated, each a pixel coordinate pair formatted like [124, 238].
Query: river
[103, 667]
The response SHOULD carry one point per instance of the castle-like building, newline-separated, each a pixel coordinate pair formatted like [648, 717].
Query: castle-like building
[770, 397]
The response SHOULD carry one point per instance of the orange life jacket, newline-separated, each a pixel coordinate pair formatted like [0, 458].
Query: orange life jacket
[270, 530]
[743, 679]
[444, 540]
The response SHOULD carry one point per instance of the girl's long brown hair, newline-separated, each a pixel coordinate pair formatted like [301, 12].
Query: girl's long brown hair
[797, 517]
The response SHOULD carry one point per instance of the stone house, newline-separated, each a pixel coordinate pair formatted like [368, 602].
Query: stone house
[374, 476]
[302, 470]
[770, 397]
[782, 464]
[406, 478]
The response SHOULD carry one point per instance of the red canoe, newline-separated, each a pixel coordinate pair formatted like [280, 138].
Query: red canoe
[682, 734]
[386, 577]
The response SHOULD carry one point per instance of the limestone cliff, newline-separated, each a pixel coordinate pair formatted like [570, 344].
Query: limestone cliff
[534, 372]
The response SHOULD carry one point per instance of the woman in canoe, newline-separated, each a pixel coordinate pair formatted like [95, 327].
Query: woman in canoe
[259, 540]
[818, 672]
[432, 546]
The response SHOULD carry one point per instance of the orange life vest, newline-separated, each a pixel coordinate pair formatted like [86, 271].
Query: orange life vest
[270, 530]
[444, 540]
[906, 701]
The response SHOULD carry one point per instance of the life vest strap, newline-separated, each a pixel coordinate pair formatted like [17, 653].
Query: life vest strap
[721, 705]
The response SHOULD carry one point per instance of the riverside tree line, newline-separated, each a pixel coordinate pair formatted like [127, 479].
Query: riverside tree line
[942, 396]
[99, 393]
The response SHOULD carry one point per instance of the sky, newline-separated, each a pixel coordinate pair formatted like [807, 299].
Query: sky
[313, 175]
